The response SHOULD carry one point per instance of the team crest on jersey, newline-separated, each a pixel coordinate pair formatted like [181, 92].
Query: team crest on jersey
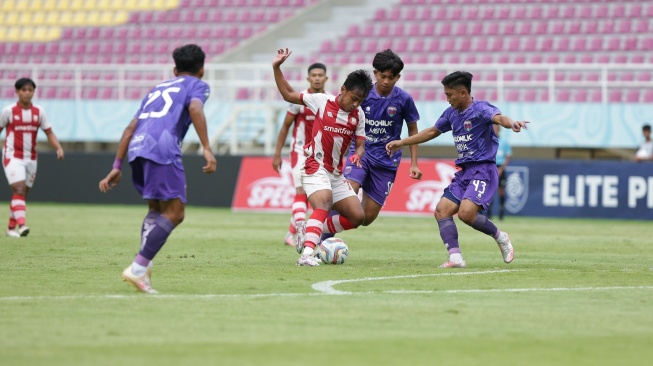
[367, 110]
[516, 188]
[35, 118]
[468, 125]
[352, 120]
[330, 114]
[392, 111]
[17, 118]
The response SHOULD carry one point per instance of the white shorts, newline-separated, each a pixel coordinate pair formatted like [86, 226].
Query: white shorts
[18, 170]
[337, 184]
[297, 170]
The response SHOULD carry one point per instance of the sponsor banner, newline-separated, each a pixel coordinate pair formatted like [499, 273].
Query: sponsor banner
[589, 189]
[559, 188]
[260, 188]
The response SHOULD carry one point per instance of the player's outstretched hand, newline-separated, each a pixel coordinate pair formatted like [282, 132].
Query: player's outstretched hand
[518, 125]
[111, 180]
[211, 163]
[393, 146]
[59, 154]
[282, 55]
[415, 173]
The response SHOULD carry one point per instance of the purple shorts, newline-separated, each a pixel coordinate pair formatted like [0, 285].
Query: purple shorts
[158, 182]
[375, 181]
[475, 182]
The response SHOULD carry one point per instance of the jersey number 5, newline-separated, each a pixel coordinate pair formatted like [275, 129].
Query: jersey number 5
[154, 96]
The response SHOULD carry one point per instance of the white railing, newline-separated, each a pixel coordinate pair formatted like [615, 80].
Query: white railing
[253, 82]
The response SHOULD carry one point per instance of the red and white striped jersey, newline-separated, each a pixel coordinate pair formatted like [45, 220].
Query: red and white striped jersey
[22, 127]
[333, 131]
[302, 129]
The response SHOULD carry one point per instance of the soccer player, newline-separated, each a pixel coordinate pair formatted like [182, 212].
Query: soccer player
[645, 151]
[22, 121]
[473, 187]
[386, 108]
[504, 153]
[301, 119]
[153, 140]
[339, 120]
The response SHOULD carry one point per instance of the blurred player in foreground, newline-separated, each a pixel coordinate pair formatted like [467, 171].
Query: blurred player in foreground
[386, 108]
[301, 119]
[153, 140]
[473, 187]
[339, 120]
[22, 121]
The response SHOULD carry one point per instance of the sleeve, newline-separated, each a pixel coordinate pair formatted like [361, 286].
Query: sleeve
[313, 100]
[44, 122]
[294, 109]
[360, 129]
[411, 115]
[443, 124]
[489, 111]
[200, 91]
[5, 117]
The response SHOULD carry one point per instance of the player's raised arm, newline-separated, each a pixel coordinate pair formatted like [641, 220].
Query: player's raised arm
[507, 122]
[287, 92]
[196, 111]
[423, 136]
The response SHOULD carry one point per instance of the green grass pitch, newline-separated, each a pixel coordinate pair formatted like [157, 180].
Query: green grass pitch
[579, 292]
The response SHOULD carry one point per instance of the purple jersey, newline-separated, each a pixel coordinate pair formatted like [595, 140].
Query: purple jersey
[163, 119]
[473, 134]
[384, 118]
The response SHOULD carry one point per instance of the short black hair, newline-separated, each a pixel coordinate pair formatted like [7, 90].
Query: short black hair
[317, 65]
[20, 83]
[388, 60]
[646, 127]
[359, 80]
[458, 78]
[189, 58]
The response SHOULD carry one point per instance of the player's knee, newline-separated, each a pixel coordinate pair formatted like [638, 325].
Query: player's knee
[466, 216]
[357, 219]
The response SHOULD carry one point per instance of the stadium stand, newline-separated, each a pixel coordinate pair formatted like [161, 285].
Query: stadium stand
[504, 42]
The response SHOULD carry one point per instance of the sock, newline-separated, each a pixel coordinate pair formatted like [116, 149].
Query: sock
[449, 234]
[140, 264]
[299, 207]
[18, 208]
[154, 238]
[308, 251]
[292, 228]
[148, 222]
[12, 220]
[336, 224]
[314, 227]
[456, 257]
[484, 225]
[325, 234]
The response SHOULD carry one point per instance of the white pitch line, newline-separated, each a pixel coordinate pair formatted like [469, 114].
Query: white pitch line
[327, 286]
[517, 290]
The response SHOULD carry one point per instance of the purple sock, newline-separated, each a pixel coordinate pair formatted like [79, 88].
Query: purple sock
[149, 220]
[449, 234]
[484, 225]
[154, 239]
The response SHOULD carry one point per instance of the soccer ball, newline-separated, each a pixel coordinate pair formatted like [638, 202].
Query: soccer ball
[333, 251]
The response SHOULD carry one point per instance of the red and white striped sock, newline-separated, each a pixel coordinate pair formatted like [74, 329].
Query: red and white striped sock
[336, 224]
[12, 220]
[314, 227]
[18, 208]
[299, 206]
